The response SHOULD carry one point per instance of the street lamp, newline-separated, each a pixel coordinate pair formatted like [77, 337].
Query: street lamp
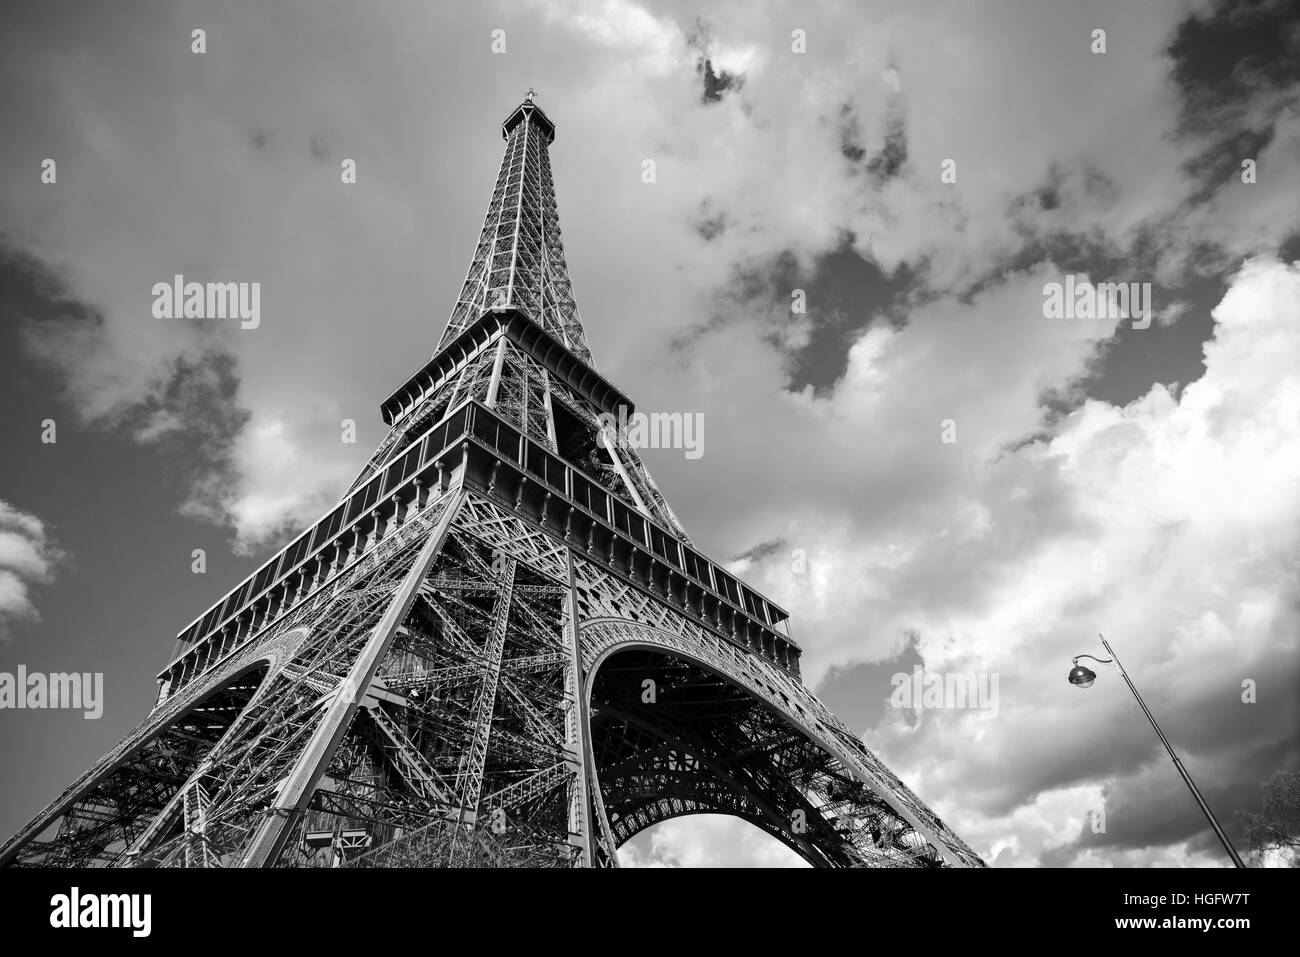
[1083, 677]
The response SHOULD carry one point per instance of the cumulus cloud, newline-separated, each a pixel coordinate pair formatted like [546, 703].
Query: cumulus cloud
[272, 496]
[232, 186]
[246, 196]
[1168, 523]
[707, 840]
[1008, 550]
[28, 557]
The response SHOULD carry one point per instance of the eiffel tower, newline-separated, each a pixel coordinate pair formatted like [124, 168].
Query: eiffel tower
[500, 648]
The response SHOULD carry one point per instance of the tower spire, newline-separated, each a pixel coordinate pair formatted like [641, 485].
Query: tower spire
[519, 260]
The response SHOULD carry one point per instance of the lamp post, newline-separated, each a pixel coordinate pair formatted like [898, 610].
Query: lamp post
[1082, 677]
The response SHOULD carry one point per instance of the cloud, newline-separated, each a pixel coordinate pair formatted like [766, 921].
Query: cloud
[271, 496]
[706, 840]
[246, 188]
[982, 554]
[1168, 524]
[633, 35]
[984, 549]
[28, 557]
[766, 162]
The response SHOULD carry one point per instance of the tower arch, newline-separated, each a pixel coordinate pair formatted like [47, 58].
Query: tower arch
[676, 730]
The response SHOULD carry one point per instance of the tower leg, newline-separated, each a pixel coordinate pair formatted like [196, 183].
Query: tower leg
[270, 836]
[581, 820]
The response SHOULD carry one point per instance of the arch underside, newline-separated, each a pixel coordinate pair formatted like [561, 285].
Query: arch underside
[671, 737]
[138, 782]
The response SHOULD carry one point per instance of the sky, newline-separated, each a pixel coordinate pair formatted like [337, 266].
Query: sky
[915, 461]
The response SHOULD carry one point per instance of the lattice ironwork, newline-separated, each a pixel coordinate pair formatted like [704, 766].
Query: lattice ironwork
[452, 671]
[519, 260]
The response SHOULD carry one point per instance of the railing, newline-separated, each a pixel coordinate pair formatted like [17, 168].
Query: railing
[534, 483]
[363, 516]
[397, 478]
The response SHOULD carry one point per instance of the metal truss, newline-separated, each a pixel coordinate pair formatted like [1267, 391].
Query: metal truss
[616, 616]
[452, 668]
[519, 260]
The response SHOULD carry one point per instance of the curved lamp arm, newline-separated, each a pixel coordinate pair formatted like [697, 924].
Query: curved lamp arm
[1100, 661]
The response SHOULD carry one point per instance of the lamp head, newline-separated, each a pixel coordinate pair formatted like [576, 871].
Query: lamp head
[1082, 677]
